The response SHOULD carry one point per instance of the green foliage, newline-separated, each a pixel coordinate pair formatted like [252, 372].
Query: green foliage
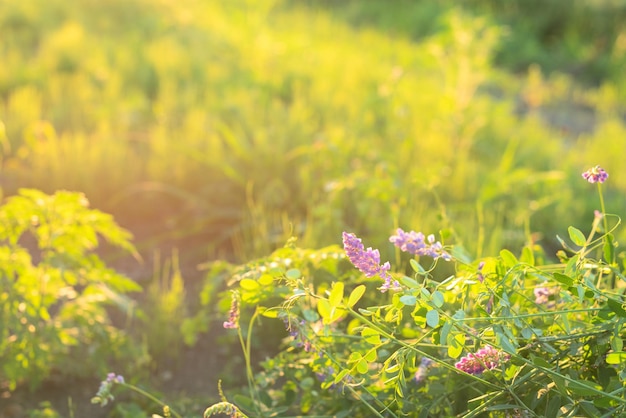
[194, 101]
[55, 290]
[165, 310]
[173, 114]
[45, 410]
[554, 334]
[570, 36]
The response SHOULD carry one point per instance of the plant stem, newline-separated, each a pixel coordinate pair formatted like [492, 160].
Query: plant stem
[420, 352]
[149, 396]
[603, 210]
[245, 346]
[606, 226]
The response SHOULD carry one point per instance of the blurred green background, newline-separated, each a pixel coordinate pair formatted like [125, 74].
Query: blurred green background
[240, 120]
[223, 128]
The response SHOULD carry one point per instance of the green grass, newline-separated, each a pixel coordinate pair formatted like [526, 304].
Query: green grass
[269, 119]
[242, 123]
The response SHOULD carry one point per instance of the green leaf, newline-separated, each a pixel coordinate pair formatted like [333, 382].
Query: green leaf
[618, 357]
[392, 368]
[371, 335]
[244, 402]
[399, 391]
[437, 299]
[323, 307]
[445, 330]
[584, 387]
[459, 314]
[356, 295]
[354, 357]
[343, 373]
[553, 406]
[609, 249]
[572, 265]
[559, 381]
[336, 294]
[417, 267]
[432, 318]
[266, 280]
[371, 356]
[269, 313]
[508, 258]
[249, 284]
[408, 300]
[590, 409]
[540, 361]
[506, 344]
[362, 366]
[576, 236]
[616, 307]
[562, 278]
[409, 282]
[455, 345]
[617, 344]
[527, 256]
[293, 274]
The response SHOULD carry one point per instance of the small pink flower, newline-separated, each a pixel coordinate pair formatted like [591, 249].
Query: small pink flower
[487, 358]
[596, 175]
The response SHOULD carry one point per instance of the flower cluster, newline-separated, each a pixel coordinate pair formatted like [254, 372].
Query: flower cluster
[542, 295]
[104, 395]
[233, 314]
[487, 358]
[422, 370]
[224, 408]
[297, 331]
[368, 261]
[596, 175]
[417, 244]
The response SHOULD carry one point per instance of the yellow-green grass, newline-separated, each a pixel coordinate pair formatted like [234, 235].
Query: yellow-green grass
[259, 120]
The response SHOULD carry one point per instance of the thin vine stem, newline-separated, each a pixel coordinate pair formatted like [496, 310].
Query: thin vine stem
[151, 397]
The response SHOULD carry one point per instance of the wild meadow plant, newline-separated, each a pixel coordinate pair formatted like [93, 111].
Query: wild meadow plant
[57, 295]
[505, 336]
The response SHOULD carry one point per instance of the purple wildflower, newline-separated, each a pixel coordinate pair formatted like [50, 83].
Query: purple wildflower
[489, 306]
[422, 370]
[596, 175]
[417, 244]
[104, 395]
[368, 261]
[233, 313]
[487, 358]
[480, 276]
[297, 330]
[113, 378]
[541, 295]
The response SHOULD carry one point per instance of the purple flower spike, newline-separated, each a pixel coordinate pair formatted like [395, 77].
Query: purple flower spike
[415, 243]
[596, 175]
[233, 313]
[368, 261]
